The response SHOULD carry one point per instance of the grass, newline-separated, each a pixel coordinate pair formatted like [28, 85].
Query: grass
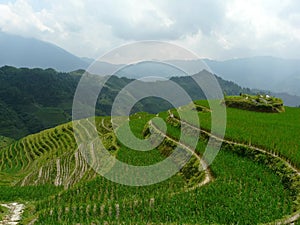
[27, 193]
[243, 191]
[5, 141]
[232, 198]
[277, 132]
[3, 212]
[258, 103]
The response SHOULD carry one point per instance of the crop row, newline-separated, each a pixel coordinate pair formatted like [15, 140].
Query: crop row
[278, 132]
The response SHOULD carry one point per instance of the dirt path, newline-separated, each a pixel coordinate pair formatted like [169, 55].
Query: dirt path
[289, 219]
[104, 126]
[239, 144]
[14, 215]
[208, 176]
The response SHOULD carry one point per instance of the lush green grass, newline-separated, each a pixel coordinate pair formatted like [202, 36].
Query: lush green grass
[258, 103]
[5, 141]
[278, 132]
[243, 192]
[232, 198]
[27, 193]
[3, 212]
[139, 158]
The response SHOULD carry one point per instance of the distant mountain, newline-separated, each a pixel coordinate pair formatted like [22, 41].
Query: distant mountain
[289, 100]
[279, 77]
[87, 60]
[29, 52]
[165, 69]
[267, 73]
[262, 74]
[32, 100]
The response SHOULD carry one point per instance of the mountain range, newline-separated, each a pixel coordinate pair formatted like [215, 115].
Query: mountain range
[267, 73]
[29, 52]
[280, 77]
[32, 100]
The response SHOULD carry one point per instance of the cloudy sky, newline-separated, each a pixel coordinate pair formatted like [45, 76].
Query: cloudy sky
[213, 29]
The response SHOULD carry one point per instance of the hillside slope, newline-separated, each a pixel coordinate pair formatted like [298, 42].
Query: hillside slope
[281, 75]
[47, 173]
[35, 99]
[28, 52]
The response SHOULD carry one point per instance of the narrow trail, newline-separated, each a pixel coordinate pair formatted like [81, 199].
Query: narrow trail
[240, 144]
[15, 210]
[104, 126]
[290, 219]
[208, 176]
[14, 214]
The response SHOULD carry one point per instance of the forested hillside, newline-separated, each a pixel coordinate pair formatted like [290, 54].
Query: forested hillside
[35, 99]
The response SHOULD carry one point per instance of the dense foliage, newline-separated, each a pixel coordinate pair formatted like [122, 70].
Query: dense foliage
[32, 100]
[5, 141]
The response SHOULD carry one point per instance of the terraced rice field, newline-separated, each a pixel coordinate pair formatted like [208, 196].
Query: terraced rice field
[47, 173]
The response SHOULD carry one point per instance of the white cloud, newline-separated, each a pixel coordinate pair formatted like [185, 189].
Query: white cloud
[19, 18]
[258, 26]
[211, 28]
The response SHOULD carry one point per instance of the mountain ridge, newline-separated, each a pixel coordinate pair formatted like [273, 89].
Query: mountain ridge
[36, 99]
[30, 52]
[260, 72]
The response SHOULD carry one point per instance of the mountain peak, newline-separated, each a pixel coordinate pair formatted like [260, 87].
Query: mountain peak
[21, 51]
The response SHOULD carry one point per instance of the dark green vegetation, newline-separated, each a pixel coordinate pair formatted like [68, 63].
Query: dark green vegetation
[248, 72]
[32, 100]
[48, 174]
[258, 103]
[3, 212]
[5, 141]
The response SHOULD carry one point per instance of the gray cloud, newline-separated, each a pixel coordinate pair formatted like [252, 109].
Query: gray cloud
[211, 28]
[166, 20]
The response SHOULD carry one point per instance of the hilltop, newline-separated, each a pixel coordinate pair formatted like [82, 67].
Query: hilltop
[20, 51]
[259, 103]
[32, 100]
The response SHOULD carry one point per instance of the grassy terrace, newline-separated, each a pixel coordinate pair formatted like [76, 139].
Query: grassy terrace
[278, 132]
[231, 198]
[3, 212]
[5, 141]
[258, 103]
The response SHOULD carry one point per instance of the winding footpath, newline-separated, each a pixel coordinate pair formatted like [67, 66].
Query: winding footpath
[241, 145]
[208, 176]
[14, 215]
[104, 126]
[15, 210]
[290, 219]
